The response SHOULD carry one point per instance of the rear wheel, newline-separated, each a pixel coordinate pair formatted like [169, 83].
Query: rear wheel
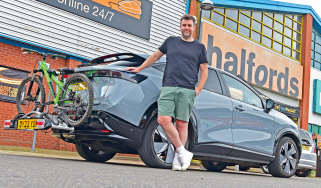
[30, 96]
[214, 166]
[90, 153]
[286, 159]
[76, 100]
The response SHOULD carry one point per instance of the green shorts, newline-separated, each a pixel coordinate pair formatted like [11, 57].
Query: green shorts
[176, 102]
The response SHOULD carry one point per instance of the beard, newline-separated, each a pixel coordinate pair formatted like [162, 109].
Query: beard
[186, 35]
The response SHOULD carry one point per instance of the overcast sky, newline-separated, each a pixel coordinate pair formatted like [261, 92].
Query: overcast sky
[316, 4]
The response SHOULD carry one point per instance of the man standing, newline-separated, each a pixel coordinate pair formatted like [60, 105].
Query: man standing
[185, 57]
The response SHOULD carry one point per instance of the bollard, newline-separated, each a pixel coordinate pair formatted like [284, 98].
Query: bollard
[34, 140]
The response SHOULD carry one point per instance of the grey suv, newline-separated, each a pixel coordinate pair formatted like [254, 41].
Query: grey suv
[230, 122]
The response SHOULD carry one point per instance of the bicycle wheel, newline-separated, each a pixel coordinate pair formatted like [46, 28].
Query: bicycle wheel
[30, 96]
[76, 100]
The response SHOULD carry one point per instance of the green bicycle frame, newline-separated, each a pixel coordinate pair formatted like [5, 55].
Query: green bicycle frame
[51, 78]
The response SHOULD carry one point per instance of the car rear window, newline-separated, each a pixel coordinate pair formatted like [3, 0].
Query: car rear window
[213, 83]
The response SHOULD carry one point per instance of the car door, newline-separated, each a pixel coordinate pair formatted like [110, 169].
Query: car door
[214, 118]
[252, 128]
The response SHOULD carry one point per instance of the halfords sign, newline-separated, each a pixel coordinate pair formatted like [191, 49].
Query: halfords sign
[256, 65]
[132, 16]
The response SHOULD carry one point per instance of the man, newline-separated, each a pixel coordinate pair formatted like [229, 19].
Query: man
[185, 57]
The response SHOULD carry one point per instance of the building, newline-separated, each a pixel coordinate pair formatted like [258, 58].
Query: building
[275, 46]
[78, 30]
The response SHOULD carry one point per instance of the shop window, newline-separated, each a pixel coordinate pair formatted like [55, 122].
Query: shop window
[295, 54]
[295, 45]
[267, 31]
[279, 32]
[244, 30]
[218, 18]
[266, 41]
[279, 17]
[288, 22]
[296, 36]
[317, 57]
[277, 36]
[297, 26]
[256, 36]
[287, 51]
[277, 46]
[267, 20]
[206, 14]
[278, 27]
[221, 10]
[231, 24]
[287, 41]
[245, 20]
[288, 32]
[257, 16]
[256, 26]
[246, 12]
[297, 18]
[232, 13]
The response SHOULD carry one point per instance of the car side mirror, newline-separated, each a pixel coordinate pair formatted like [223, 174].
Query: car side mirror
[269, 105]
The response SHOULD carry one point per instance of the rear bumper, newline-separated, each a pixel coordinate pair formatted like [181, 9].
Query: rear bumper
[308, 161]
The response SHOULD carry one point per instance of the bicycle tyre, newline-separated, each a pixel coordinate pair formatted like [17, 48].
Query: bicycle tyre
[71, 116]
[22, 101]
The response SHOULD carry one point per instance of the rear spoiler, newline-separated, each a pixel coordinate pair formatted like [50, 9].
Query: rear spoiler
[114, 58]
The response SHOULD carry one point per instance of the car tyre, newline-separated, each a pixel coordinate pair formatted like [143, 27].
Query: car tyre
[244, 168]
[156, 150]
[302, 173]
[286, 159]
[88, 152]
[214, 166]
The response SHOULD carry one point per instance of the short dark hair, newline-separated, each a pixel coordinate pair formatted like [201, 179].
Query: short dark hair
[188, 17]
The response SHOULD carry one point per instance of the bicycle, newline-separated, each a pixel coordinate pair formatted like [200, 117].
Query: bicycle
[73, 98]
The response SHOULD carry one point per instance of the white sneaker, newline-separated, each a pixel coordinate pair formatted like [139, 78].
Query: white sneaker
[185, 159]
[176, 163]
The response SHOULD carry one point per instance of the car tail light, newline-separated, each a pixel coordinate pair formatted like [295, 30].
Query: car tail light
[7, 123]
[132, 77]
[105, 131]
[40, 123]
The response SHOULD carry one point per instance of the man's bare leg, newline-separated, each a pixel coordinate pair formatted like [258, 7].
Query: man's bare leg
[182, 129]
[170, 130]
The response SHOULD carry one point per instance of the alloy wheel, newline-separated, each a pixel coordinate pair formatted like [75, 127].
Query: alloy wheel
[163, 148]
[288, 159]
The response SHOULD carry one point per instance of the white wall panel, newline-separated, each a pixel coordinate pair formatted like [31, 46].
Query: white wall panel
[42, 24]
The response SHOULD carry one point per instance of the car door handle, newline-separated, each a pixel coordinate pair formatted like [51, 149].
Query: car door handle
[239, 108]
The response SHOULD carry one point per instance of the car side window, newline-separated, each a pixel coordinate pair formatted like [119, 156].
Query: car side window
[241, 92]
[213, 83]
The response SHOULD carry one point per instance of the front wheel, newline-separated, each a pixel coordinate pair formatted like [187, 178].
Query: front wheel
[214, 166]
[76, 100]
[286, 159]
[90, 153]
[30, 96]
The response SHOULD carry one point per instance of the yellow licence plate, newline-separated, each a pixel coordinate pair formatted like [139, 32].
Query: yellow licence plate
[27, 124]
[79, 86]
[306, 148]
